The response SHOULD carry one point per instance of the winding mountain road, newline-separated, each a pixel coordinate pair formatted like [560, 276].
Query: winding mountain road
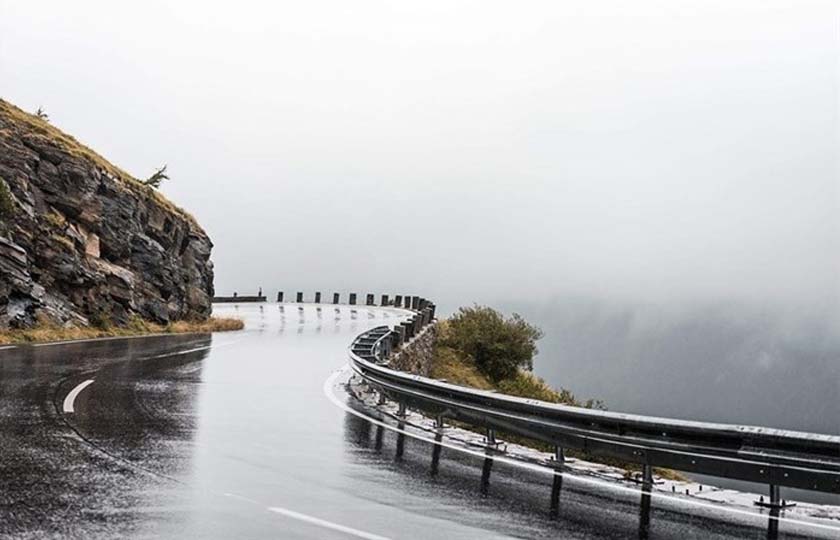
[232, 436]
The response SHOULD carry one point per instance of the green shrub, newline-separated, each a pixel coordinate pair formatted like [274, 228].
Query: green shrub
[156, 178]
[99, 319]
[499, 347]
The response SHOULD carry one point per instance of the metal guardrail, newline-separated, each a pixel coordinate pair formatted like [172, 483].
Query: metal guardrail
[769, 456]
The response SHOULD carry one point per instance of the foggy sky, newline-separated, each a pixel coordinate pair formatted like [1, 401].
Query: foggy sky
[468, 151]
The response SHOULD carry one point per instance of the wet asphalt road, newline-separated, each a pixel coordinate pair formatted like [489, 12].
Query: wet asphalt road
[232, 436]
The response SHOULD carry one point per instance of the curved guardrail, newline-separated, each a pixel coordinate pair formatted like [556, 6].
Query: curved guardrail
[769, 456]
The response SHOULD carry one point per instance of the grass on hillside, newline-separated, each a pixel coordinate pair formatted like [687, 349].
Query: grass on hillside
[46, 331]
[42, 128]
[450, 365]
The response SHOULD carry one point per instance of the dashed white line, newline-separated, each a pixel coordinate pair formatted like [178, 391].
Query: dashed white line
[71, 397]
[311, 519]
[89, 340]
[326, 524]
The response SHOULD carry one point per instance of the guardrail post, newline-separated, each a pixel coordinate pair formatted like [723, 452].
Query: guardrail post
[408, 331]
[352, 299]
[436, 448]
[377, 445]
[384, 300]
[369, 299]
[398, 300]
[318, 297]
[415, 302]
[485, 475]
[400, 427]
[336, 298]
[644, 510]
[407, 302]
[399, 333]
[557, 482]
[279, 296]
[299, 298]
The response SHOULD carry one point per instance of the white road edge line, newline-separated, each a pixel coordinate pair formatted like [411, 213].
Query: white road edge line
[71, 397]
[325, 524]
[330, 383]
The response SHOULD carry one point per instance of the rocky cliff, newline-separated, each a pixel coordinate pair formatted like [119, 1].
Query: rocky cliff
[83, 242]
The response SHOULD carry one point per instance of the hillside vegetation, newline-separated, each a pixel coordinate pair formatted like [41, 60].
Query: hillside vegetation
[478, 333]
[47, 331]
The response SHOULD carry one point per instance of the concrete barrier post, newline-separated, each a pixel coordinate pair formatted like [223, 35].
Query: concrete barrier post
[352, 299]
[384, 300]
[431, 311]
[407, 301]
[398, 300]
[318, 297]
[336, 298]
[369, 299]
[399, 336]
[415, 302]
[299, 297]
[279, 296]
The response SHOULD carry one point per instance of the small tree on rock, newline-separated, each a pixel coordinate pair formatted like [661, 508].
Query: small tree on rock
[156, 178]
[498, 346]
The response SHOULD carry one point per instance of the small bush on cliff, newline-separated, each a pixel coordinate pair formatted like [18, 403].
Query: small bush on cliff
[499, 347]
[100, 320]
[156, 178]
[7, 206]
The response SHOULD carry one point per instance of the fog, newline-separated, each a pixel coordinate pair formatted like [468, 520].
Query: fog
[675, 155]
[466, 150]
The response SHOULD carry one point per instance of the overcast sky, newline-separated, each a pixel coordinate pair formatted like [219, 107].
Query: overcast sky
[467, 150]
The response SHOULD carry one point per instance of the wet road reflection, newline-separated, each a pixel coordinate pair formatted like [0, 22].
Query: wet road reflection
[232, 436]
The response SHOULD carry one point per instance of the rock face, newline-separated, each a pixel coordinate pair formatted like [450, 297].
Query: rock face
[83, 242]
[417, 356]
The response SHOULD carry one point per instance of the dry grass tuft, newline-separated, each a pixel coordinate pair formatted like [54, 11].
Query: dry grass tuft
[42, 129]
[46, 331]
[456, 368]
[213, 324]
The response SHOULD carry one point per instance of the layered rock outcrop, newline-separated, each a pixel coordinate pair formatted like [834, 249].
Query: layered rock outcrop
[83, 242]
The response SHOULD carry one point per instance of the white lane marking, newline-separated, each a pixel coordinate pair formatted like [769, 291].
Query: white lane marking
[8, 347]
[111, 338]
[325, 524]
[310, 519]
[329, 384]
[88, 340]
[71, 397]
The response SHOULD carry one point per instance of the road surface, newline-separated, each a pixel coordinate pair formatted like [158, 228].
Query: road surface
[237, 435]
